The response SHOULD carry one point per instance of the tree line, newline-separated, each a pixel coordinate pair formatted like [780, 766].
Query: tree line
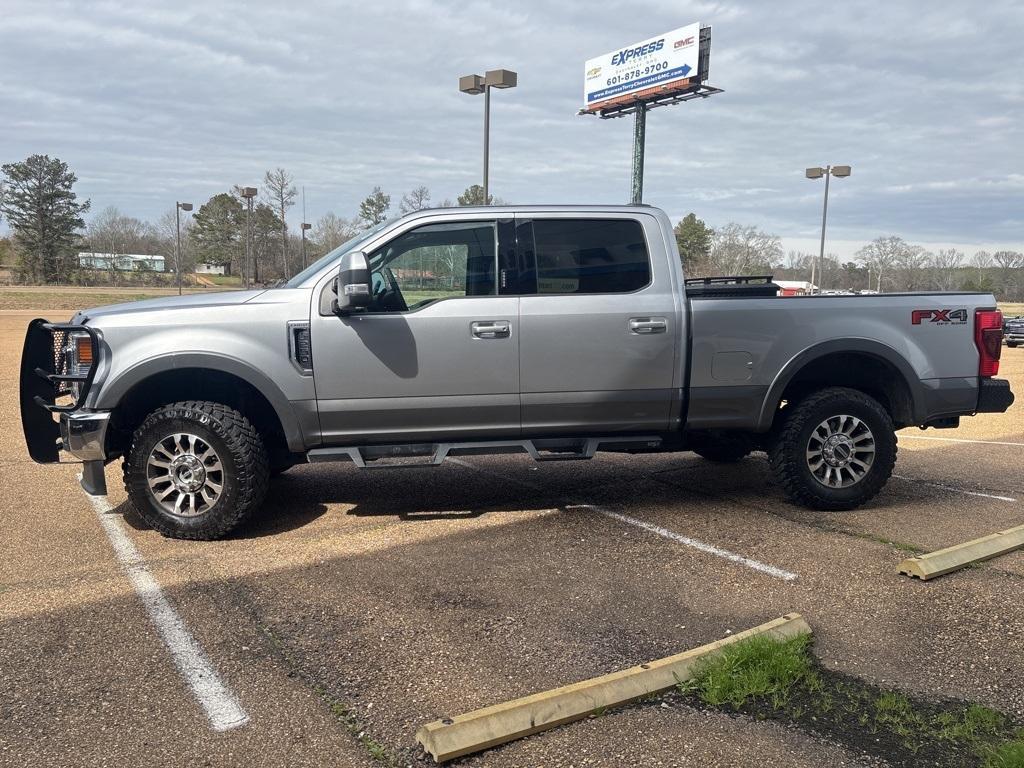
[47, 221]
[886, 264]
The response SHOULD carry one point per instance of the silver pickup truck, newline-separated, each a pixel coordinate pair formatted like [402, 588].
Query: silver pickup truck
[554, 330]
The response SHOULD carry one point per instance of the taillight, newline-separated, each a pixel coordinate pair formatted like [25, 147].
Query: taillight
[988, 337]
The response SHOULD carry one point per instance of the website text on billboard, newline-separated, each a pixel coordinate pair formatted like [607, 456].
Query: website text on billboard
[658, 61]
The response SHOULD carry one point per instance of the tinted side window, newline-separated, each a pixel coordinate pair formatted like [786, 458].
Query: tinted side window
[590, 256]
[433, 262]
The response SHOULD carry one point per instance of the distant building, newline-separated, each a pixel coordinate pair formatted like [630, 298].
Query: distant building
[795, 287]
[211, 269]
[126, 262]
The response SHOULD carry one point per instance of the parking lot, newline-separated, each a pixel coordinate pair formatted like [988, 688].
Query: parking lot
[361, 604]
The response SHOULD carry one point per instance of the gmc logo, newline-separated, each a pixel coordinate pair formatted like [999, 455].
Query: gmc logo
[941, 316]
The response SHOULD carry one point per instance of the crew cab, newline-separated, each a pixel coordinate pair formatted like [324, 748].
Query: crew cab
[554, 330]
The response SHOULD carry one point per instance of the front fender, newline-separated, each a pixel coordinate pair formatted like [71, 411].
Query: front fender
[116, 386]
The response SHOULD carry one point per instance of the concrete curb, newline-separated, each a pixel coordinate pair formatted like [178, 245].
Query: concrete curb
[953, 558]
[461, 735]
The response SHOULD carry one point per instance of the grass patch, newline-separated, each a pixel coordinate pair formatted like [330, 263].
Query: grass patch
[234, 281]
[756, 668]
[781, 680]
[1011, 309]
[59, 298]
[1009, 755]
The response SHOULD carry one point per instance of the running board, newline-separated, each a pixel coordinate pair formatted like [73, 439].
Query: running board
[433, 454]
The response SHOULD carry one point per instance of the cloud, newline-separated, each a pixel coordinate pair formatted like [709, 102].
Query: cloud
[150, 103]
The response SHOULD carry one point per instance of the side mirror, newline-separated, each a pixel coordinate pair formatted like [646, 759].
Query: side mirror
[353, 286]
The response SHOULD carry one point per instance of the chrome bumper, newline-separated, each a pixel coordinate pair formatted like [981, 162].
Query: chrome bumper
[84, 434]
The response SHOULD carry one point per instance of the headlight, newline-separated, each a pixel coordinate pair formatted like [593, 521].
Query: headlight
[78, 355]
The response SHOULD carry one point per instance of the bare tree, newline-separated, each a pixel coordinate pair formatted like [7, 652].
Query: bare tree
[1008, 259]
[912, 263]
[415, 200]
[982, 260]
[739, 250]
[281, 194]
[945, 265]
[166, 237]
[881, 254]
[332, 230]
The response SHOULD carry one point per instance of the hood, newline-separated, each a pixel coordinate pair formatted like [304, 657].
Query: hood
[190, 301]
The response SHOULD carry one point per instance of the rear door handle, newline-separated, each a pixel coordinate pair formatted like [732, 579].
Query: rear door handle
[647, 325]
[490, 329]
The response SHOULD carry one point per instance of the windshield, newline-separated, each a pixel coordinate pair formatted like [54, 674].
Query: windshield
[349, 245]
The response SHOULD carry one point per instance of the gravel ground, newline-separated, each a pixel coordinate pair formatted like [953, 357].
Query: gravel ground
[370, 603]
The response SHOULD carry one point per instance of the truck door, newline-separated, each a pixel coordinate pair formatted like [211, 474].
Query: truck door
[436, 355]
[599, 338]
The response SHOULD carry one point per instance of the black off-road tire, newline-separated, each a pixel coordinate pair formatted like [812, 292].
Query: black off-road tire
[788, 450]
[721, 446]
[242, 454]
[1011, 344]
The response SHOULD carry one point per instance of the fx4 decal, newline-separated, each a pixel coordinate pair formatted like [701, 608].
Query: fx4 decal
[940, 316]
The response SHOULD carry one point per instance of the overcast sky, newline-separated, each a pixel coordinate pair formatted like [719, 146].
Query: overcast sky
[152, 102]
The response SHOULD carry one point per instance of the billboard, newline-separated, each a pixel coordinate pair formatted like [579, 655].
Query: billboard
[654, 63]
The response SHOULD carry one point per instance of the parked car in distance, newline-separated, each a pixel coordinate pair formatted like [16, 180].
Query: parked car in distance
[1013, 331]
[554, 330]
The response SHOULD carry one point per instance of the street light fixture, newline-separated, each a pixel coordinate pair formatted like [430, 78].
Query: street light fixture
[841, 171]
[304, 227]
[248, 193]
[178, 208]
[475, 85]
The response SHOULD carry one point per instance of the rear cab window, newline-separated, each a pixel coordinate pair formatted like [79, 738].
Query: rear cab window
[583, 256]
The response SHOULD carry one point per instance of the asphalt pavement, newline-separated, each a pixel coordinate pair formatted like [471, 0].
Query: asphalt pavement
[360, 605]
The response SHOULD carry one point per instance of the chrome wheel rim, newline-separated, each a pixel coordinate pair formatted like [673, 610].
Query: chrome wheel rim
[185, 474]
[840, 451]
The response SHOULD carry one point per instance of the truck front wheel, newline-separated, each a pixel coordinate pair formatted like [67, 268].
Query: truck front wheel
[196, 470]
[835, 449]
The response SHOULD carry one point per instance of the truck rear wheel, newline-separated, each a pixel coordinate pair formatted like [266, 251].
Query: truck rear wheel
[196, 470]
[835, 449]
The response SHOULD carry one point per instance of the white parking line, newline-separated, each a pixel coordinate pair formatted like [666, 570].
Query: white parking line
[952, 489]
[710, 549]
[220, 704]
[957, 440]
[771, 570]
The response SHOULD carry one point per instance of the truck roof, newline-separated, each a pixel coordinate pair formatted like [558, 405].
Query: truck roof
[560, 207]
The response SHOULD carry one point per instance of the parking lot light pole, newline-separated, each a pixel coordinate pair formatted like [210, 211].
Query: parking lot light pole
[178, 208]
[816, 173]
[475, 85]
[248, 193]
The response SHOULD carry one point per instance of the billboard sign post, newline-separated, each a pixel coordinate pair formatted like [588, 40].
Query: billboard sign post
[662, 70]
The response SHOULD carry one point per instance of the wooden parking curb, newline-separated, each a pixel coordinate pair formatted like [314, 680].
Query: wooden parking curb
[953, 558]
[461, 735]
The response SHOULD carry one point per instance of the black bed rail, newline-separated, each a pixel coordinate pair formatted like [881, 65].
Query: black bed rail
[731, 285]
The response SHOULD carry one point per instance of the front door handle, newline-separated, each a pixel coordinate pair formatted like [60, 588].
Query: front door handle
[646, 325]
[491, 329]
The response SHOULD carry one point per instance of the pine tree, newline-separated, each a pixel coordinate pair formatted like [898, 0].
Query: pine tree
[43, 211]
[373, 210]
[694, 240]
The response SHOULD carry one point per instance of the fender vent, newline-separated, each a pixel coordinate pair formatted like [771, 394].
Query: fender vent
[300, 348]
